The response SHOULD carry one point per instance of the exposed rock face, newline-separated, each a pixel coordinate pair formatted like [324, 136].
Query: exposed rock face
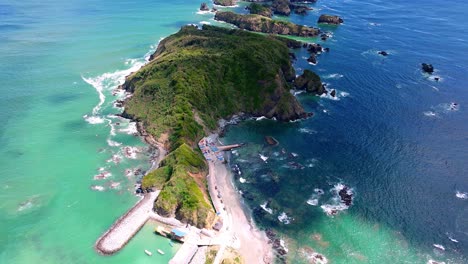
[314, 48]
[312, 59]
[258, 9]
[383, 53]
[333, 93]
[204, 7]
[225, 2]
[301, 10]
[329, 19]
[262, 24]
[427, 68]
[281, 7]
[346, 196]
[271, 140]
[310, 82]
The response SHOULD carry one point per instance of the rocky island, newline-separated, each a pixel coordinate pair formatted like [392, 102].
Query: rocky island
[263, 24]
[329, 19]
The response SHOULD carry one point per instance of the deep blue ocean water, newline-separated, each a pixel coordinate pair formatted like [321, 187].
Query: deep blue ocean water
[394, 135]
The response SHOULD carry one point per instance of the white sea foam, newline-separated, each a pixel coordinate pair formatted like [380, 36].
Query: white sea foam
[333, 209]
[205, 23]
[314, 198]
[116, 159]
[242, 180]
[431, 261]
[328, 96]
[294, 154]
[264, 158]
[131, 152]
[103, 175]
[114, 185]
[430, 113]
[311, 162]
[307, 131]
[97, 188]
[28, 204]
[284, 218]
[333, 76]
[93, 119]
[200, 12]
[335, 204]
[438, 246]
[264, 207]
[283, 245]
[112, 143]
[297, 92]
[110, 80]
[313, 201]
[461, 195]
[260, 118]
[131, 129]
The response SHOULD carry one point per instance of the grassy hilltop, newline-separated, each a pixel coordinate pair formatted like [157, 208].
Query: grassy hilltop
[194, 78]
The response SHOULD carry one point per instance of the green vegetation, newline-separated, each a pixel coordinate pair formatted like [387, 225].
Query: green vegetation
[309, 81]
[263, 24]
[225, 2]
[259, 9]
[214, 73]
[196, 77]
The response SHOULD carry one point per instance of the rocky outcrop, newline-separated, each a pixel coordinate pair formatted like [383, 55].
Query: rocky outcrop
[258, 9]
[301, 10]
[262, 24]
[383, 53]
[310, 82]
[312, 59]
[225, 2]
[314, 48]
[329, 19]
[428, 68]
[204, 7]
[271, 141]
[281, 7]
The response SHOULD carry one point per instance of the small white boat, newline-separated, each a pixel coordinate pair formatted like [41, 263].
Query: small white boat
[148, 252]
[161, 252]
[439, 246]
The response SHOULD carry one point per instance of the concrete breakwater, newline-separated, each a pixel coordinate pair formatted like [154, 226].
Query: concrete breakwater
[118, 235]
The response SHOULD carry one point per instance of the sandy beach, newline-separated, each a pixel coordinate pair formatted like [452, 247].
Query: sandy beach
[254, 246]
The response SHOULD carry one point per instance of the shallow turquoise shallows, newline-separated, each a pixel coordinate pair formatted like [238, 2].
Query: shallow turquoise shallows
[394, 136]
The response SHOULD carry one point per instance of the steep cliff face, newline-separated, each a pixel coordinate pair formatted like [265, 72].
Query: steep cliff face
[310, 82]
[259, 23]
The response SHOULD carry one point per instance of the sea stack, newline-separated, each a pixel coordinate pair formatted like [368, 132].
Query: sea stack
[204, 7]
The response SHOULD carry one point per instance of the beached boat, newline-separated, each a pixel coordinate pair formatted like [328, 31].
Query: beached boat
[148, 252]
[161, 252]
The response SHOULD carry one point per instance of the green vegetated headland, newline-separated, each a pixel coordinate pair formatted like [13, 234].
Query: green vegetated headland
[194, 78]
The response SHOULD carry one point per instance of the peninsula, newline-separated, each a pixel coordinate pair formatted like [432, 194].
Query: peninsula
[194, 78]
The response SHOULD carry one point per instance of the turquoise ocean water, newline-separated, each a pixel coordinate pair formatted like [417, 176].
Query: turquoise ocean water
[392, 136]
